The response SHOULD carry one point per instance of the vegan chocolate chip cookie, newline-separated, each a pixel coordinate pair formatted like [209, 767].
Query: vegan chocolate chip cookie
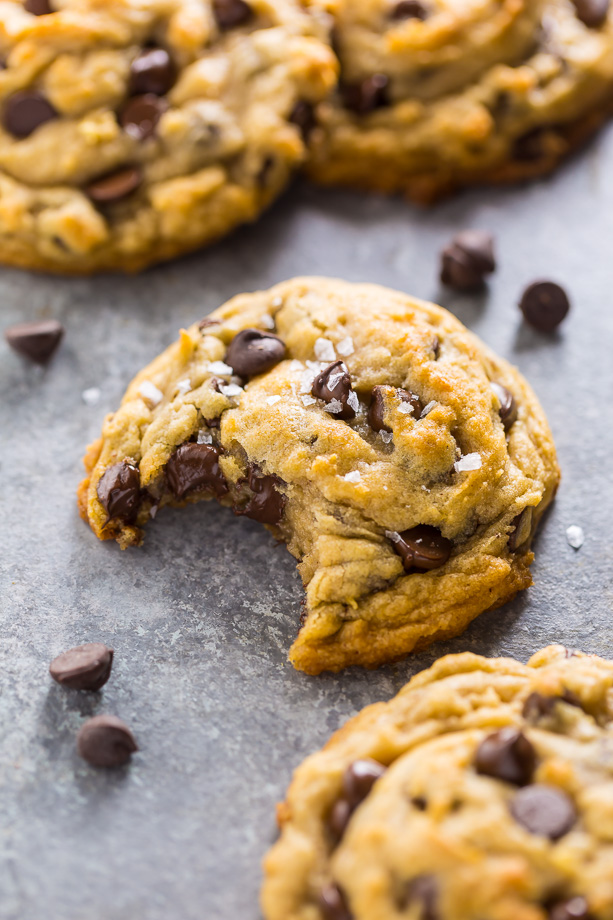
[483, 791]
[436, 94]
[135, 130]
[404, 464]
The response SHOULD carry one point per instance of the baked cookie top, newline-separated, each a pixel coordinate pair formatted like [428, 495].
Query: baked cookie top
[482, 791]
[448, 92]
[403, 463]
[132, 130]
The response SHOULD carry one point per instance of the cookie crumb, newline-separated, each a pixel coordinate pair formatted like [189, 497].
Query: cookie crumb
[91, 396]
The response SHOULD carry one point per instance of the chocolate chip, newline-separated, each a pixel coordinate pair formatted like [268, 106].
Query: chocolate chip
[140, 116]
[573, 909]
[25, 111]
[339, 818]
[118, 490]
[538, 705]
[231, 13]
[507, 755]
[467, 260]
[532, 145]
[266, 505]
[409, 9]
[254, 352]
[303, 116]
[195, 466]
[333, 904]
[592, 13]
[359, 778]
[152, 71]
[544, 810]
[206, 322]
[508, 405]
[105, 741]
[35, 341]
[422, 547]
[544, 305]
[376, 410]
[86, 667]
[334, 383]
[522, 531]
[423, 890]
[363, 98]
[115, 186]
[38, 7]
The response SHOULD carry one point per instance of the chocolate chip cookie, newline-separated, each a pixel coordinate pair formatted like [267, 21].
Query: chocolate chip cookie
[436, 94]
[483, 791]
[404, 464]
[135, 130]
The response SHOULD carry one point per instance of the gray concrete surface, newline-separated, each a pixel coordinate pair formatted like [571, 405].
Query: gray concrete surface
[202, 616]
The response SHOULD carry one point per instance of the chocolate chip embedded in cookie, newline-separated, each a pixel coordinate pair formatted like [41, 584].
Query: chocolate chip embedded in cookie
[403, 463]
[474, 812]
[133, 132]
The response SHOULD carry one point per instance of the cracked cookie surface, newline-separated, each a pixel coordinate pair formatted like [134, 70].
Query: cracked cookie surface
[437, 94]
[135, 130]
[404, 464]
[482, 791]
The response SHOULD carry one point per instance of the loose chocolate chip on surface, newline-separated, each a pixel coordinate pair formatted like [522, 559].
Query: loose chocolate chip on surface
[303, 116]
[195, 466]
[467, 260]
[410, 9]
[544, 810]
[333, 904]
[266, 505]
[544, 305]
[139, 118]
[422, 547]
[119, 490]
[38, 7]
[423, 890]
[522, 529]
[507, 755]
[86, 667]
[363, 98]
[35, 341]
[115, 186]
[508, 405]
[592, 13]
[231, 13]
[152, 71]
[574, 909]
[359, 778]
[254, 352]
[25, 111]
[105, 741]
[376, 410]
[334, 383]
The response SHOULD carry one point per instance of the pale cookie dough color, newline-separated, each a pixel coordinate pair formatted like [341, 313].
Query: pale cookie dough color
[436, 94]
[135, 130]
[403, 463]
[483, 791]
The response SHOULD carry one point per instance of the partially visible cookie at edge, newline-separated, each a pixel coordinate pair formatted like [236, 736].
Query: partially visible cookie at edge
[404, 464]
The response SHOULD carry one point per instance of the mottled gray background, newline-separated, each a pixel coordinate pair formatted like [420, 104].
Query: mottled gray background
[202, 616]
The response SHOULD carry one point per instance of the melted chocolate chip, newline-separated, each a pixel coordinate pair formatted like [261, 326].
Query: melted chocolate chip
[303, 116]
[422, 547]
[531, 145]
[115, 186]
[254, 352]
[231, 13]
[86, 667]
[467, 260]
[35, 341]
[195, 466]
[574, 909]
[507, 755]
[539, 706]
[333, 904]
[38, 7]
[363, 98]
[522, 531]
[152, 71]
[592, 13]
[376, 410]
[25, 111]
[544, 810]
[266, 505]
[423, 890]
[334, 383]
[339, 818]
[409, 9]
[140, 116]
[508, 405]
[544, 305]
[118, 490]
[106, 741]
[359, 778]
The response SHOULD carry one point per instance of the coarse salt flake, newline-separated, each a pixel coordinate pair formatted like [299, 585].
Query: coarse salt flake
[276, 302]
[353, 401]
[91, 396]
[306, 381]
[575, 536]
[469, 462]
[334, 380]
[204, 437]
[232, 389]
[334, 406]
[296, 366]
[308, 400]
[324, 350]
[218, 367]
[150, 392]
[271, 400]
[386, 436]
[267, 321]
[345, 347]
[393, 535]
[353, 476]
[428, 408]
[406, 408]
[184, 386]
